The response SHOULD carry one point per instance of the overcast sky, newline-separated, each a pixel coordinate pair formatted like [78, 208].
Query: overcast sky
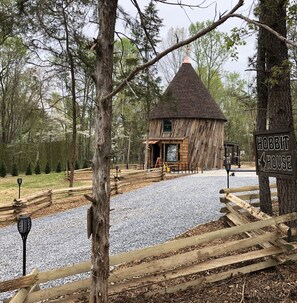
[174, 16]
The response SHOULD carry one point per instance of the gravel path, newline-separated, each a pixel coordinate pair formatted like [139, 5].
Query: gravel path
[144, 217]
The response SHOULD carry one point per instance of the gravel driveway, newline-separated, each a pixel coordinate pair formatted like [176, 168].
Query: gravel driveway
[144, 217]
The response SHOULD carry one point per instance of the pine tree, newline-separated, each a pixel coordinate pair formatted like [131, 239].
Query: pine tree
[85, 164]
[37, 168]
[29, 170]
[58, 168]
[3, 170]
[146, 36]
[76, 165]
[15, 171]
[47, 168]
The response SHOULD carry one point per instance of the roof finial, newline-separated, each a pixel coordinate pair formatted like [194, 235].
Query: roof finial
[187, 54]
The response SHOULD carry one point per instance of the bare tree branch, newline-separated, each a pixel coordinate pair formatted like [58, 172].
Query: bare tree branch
[266, 27]
[180, 3]
[172, 48]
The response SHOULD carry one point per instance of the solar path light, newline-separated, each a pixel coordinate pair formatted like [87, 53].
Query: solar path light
[228, 168]
[19, 180]
[24, 226]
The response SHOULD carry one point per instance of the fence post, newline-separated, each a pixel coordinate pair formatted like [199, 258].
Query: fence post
[51, 196]
[116, 185]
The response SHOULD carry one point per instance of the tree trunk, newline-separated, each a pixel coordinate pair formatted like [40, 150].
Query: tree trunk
[73, 99]
[262, 98]
[279, 94]
[101, 161]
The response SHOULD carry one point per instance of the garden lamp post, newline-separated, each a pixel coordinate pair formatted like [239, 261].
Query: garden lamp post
[24, 226]
[228, 168]
[19, 180]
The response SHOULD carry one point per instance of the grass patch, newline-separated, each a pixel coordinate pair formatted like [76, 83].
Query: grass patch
[9, 189]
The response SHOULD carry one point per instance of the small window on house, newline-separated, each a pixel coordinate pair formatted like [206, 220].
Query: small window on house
[172, 152]
[167, 126]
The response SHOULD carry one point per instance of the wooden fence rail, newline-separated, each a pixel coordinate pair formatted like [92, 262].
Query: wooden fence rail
[31, 204]
[208, 257]
[25, 206]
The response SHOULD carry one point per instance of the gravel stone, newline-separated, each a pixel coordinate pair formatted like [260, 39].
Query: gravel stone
[144, 217]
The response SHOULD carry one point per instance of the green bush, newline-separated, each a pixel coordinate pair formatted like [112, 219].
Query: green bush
[3, 170]
[37, 168]
[76, 165]
[86, 164]
[28, 170]
[58, 168]
[15, 171]
[47, 168]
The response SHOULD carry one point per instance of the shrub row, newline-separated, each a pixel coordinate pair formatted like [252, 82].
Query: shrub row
[37, 168]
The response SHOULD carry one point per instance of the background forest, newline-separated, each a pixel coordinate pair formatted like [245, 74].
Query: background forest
[47, 91]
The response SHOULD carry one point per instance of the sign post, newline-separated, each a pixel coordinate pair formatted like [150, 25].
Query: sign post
[24, 226]
[275, 155]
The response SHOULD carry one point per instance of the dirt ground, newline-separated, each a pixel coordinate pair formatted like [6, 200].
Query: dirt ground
[273, 285]
[278, 284]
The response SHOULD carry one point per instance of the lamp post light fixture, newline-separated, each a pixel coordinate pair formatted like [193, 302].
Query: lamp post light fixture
[228, 168]
[19, 180]
[24, 224]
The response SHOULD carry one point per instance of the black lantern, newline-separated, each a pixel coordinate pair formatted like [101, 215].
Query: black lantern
[228, 168]
[24, 226]
[19, 180]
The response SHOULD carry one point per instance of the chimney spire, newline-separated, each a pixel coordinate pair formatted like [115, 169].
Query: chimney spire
[187, 60]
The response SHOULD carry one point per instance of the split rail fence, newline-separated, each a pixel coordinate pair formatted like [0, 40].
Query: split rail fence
[254, 241]
[31, 204]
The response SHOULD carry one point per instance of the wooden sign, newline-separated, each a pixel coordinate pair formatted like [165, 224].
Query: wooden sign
[275, 155]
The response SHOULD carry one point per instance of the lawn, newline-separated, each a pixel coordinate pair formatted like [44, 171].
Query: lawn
[9, 189]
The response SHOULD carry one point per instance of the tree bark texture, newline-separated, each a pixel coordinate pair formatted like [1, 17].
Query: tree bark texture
[262, 98]
[73, 99]
[101, 161]
[279, 93]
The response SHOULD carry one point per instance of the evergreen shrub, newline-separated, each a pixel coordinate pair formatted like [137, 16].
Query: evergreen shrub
[3, 170]
[58, 168]
[47, 168]
[86, 164]
[15, 171]
[37, 168]
[28, 170]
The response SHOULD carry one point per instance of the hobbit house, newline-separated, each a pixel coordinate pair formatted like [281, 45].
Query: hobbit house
[186, 126]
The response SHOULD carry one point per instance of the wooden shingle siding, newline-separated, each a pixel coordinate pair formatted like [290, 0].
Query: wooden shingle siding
[202, 140]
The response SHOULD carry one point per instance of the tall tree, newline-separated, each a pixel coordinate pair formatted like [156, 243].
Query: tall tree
[7, 20]
[262, 105]
[238, 107]
[20, 98]
[210, 52]
[56, 30]
[170, 65]
[128, 122]
[279, 93]
[146, 36]
[101, 162]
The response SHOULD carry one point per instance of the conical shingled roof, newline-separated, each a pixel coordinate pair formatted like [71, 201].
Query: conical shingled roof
[187, 97]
